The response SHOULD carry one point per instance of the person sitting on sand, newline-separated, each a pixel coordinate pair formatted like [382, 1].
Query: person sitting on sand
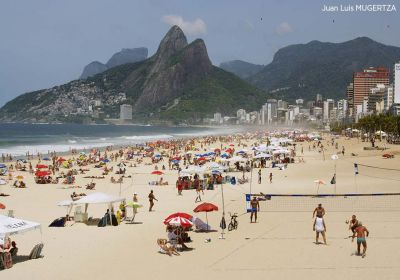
[174, 238]
[6, 245]
[167, 248]
[14, 250]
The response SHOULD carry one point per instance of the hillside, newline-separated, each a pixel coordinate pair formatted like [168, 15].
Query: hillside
[304, 70]
[241, 68]
[177, 84]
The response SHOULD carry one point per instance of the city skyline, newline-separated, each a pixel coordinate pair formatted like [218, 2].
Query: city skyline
[51, 42]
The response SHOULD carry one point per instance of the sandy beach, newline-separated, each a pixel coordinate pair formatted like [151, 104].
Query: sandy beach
[280, 245]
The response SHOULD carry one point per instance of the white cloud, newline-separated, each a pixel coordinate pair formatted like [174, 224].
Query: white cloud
[283, 28]
[198, 26]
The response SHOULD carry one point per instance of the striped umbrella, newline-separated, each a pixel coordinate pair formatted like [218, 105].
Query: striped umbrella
[179, 221]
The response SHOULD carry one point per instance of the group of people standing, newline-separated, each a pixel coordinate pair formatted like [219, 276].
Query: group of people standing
[357, 228]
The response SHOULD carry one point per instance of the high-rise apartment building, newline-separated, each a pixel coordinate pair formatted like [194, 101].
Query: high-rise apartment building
[364, 81]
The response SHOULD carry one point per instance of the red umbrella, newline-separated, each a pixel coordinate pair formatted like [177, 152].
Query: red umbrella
[206, 207]
[201, 158]
[179, 221]
[2, 206]
[42, 173]
[39, 166]
[176, 158]
[178, 214]
[157, 172]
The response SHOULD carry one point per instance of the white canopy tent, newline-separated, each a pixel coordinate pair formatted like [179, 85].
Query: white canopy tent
[10, 226]
[93, 198]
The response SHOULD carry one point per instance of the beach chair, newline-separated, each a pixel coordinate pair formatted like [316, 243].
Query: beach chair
[36, 251]
[10, 213]
[5, 260]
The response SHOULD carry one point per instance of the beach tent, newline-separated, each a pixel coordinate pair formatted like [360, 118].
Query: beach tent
[98, 198]
[10, 226]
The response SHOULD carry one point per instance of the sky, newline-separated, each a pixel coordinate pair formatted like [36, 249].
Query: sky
[44, 43]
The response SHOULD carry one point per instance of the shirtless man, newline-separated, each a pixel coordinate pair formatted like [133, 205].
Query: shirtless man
[360, 231]
[151, 200]
[255, 207]
[320, 211]
[353, 224]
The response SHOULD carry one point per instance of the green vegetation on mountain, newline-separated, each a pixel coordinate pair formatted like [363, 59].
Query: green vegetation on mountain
[303, 70]
[241, 68]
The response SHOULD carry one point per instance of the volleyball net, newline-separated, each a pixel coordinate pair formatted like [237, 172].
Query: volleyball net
[374, 202]
[377, 172]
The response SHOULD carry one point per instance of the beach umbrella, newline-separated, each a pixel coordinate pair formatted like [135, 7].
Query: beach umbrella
[2, 165]
[40, 166]
[157, 172]
[180, 221]
[206, 207]
[178, 214]
[201, 158]
[2, 206]
[46, 159]
[319, 182]
[42, 173]
[134, 204]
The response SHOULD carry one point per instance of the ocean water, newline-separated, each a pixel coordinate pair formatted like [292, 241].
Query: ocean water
[18, 139]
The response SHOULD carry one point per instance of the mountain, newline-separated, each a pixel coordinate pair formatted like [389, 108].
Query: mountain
[241, 68]
[122, 57]
[92, 69]
[127, 56]
[177, 84]
[303, 70]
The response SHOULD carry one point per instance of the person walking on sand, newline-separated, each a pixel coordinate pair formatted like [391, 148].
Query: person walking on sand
[270, 177]
[319, 227]
[151, 200]
[255, 207]
[259, 176]
[362, 233]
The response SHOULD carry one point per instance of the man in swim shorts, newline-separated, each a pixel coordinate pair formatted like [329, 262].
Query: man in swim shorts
[255, 207]
[361, 232]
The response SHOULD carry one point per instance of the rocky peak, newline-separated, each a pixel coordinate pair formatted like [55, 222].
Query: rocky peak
[175, 40]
